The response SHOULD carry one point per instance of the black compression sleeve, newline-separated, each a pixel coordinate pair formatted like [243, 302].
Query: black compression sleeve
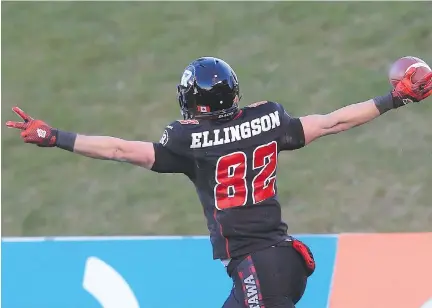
[65, 140]
[384, 103]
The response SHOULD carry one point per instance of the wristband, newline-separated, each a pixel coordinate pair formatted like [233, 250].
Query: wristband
[65, 140]
[384, 103]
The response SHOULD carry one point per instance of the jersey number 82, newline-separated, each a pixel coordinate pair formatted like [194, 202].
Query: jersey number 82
[231, 188]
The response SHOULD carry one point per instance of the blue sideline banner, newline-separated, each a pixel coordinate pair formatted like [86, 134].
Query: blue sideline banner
[145, 272]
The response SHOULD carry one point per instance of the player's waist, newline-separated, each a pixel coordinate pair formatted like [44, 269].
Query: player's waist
[226, 262]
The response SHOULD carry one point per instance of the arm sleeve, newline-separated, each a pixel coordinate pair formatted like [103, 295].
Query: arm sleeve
[166, 161]
[292, 135]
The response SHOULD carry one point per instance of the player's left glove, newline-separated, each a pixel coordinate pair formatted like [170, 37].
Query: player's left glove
[407, 92]
[34, 131]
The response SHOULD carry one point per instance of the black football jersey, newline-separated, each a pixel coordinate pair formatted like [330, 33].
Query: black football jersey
[233, 166]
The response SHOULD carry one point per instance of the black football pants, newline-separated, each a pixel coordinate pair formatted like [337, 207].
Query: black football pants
[269, 278]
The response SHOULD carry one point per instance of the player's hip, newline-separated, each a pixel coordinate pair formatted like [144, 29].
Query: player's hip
[290, 244]
[271, 276]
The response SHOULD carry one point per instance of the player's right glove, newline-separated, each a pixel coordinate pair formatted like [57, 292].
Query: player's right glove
[407, 92]
[34, 131]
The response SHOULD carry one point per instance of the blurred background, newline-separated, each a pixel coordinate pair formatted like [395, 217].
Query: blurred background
[111, 68]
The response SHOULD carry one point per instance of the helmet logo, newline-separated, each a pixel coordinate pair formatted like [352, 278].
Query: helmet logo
[185, 78]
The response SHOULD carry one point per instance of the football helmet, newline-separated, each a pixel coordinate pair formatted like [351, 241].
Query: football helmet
[208, 89]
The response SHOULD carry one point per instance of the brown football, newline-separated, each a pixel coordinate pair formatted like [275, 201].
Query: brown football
[400, 66]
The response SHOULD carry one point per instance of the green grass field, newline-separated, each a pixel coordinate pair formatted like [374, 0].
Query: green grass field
[112, 68]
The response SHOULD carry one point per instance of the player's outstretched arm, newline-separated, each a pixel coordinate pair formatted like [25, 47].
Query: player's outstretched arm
[316, 126]
[138, 153]
[98, 147]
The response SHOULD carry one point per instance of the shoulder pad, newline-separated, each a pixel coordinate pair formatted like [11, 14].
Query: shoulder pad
[257, 104]
[185, 122]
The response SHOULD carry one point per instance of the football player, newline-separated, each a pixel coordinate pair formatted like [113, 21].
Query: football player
[231, 155]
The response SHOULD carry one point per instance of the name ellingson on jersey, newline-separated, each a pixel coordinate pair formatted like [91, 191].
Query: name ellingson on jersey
[237, 132]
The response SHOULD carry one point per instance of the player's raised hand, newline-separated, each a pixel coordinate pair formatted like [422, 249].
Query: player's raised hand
[406, 91]
[34, 131]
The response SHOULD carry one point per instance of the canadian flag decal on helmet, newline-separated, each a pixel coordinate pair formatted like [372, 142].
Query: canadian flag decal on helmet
[203, 108]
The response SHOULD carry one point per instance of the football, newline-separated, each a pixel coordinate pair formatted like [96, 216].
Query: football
[400, 66]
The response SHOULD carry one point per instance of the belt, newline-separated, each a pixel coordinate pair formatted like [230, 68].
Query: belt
[231, 264]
